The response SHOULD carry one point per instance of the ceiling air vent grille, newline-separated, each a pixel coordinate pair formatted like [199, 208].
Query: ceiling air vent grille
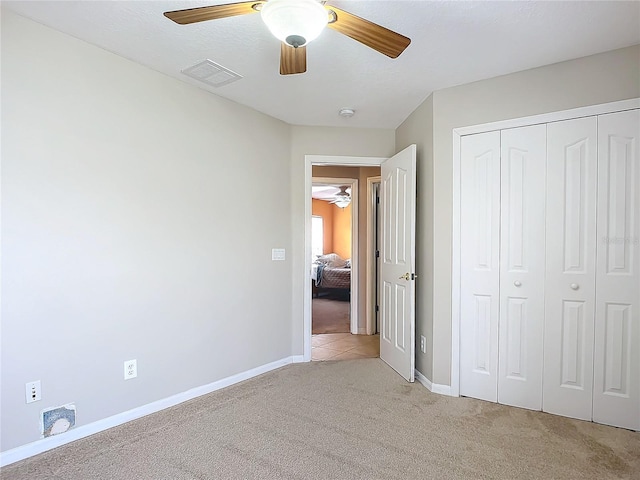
[211, 73]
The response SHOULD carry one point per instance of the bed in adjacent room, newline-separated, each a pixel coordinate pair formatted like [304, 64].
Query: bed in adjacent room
[330, 271]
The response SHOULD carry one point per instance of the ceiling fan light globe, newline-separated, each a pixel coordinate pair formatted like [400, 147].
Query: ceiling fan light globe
[342, 202]
[297, 20]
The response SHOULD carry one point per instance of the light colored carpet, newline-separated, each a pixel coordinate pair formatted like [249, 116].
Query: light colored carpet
[329, 315]
[354, 419]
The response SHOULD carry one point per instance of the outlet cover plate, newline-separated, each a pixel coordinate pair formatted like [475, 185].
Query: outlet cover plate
[130, 369]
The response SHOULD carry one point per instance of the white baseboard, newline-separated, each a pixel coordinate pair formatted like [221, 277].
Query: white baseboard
[433, 387]
[362, 331]
[40, 446]
[298, 359]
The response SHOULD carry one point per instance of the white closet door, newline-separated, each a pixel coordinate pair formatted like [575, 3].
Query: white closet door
[480, 270]
[616, 394]
[570, 267]
[523, 165]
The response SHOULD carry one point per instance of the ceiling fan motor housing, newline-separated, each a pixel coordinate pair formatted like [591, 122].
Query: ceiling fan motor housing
[295, 41]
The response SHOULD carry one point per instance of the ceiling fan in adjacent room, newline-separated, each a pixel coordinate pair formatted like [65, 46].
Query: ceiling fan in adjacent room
[343, 198]
[298, 22]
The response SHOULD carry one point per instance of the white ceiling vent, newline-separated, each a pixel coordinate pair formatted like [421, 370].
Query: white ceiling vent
[211, 73]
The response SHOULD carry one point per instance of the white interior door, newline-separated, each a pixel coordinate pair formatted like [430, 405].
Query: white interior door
[570, 267]
[616, 393]
[397, 266]
[480, 265]
[522, 217]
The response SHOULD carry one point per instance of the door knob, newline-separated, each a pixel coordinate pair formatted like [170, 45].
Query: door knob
[406, 276]
[517, 283]
[574, 286]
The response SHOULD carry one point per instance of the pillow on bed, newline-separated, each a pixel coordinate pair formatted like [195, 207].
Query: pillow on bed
[332, 260]
[347, 263]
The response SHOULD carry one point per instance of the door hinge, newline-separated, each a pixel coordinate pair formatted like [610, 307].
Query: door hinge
[378, 199]
[377, 253]
[377, 308]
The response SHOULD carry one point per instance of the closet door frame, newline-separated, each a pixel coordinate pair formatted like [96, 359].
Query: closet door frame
[458, 133]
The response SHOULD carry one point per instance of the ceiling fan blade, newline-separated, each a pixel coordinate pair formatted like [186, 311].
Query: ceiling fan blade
[201, 14]
[371, 34]
[292, 60]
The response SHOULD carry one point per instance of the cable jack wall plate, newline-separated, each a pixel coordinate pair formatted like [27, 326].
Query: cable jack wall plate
[33, 391]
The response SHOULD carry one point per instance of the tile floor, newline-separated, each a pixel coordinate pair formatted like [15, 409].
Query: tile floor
[344, 346]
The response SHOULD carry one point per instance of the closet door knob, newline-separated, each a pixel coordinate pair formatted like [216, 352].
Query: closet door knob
[517, 283]
[574, 286]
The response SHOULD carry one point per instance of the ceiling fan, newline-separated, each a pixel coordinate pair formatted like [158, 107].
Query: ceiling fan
[342, 198]
[296, 23]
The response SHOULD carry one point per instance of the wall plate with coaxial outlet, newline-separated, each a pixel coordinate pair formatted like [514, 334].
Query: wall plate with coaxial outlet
[33, 391]
[130, 369]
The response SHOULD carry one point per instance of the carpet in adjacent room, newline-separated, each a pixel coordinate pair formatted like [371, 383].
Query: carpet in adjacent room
[330, 315]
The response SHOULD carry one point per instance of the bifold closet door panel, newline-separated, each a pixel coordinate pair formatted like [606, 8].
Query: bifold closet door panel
[570, 267]
[616, 394]
[479, 263]
[521, 319]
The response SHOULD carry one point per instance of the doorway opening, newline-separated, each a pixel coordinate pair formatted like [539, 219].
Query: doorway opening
[332, 241]
[343, 292]
[336, 215]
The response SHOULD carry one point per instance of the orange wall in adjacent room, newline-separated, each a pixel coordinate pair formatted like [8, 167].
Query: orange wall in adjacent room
[342, 231]
[325, 210]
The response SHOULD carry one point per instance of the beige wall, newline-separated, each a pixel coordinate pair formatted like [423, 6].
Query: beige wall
[586, 81]
[120, 232]
[323, 141]
[418, 129]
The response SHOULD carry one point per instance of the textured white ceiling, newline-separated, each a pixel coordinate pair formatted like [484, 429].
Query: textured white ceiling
[326, 192]
[452, 43]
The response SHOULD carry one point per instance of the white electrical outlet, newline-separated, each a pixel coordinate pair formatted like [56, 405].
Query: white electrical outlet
[130, 369]
[33, 391]
[423, 344]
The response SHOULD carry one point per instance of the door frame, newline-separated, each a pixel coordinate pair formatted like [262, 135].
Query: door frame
[309, 162]
[458, 133]
[372, 284]
[353, 294]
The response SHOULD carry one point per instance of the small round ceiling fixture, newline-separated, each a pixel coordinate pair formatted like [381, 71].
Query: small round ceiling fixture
[347, 112]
